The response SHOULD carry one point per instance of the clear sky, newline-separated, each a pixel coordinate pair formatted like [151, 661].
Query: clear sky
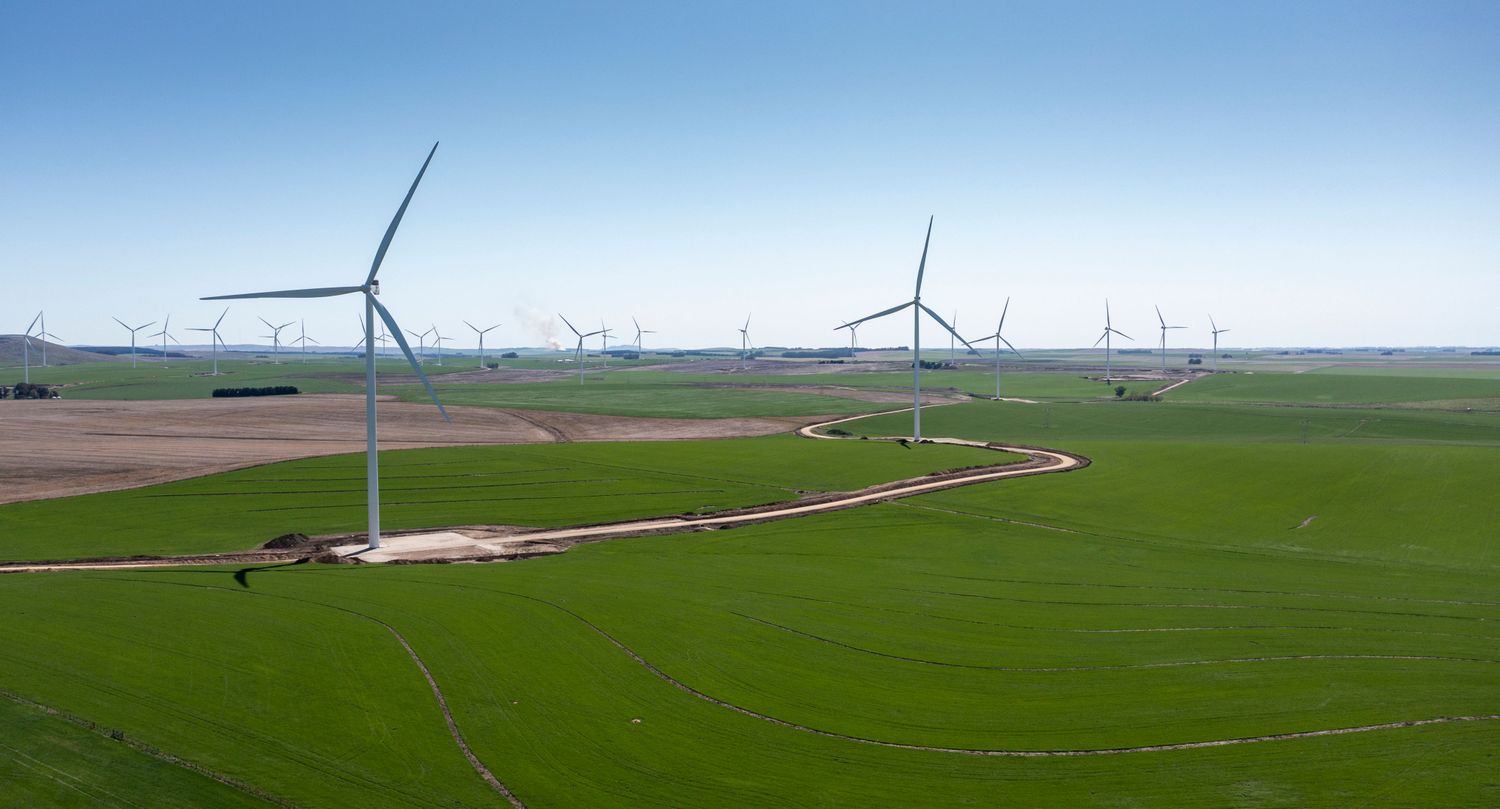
[1307, 172]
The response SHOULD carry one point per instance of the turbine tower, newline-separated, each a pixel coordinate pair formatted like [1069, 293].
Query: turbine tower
[164, 334]
[1164, 328]
[999, 338]
[952, 349]
[578, 356]
[1217, 331]
[275, 336]
[745, 342]
[370, 288]
[214, 340]
[45, 335]
[304, 340]
[481, 333]
[421, 343]
[638, 332]
[1104, 338]
[917, 308]
[604, 335]
[26, 347]
[437, 339]
[132, 337]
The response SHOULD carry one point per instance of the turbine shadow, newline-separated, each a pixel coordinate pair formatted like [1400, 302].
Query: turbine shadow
[242, 576]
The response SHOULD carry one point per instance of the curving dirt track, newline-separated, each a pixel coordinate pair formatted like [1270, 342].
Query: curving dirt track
[77, 446]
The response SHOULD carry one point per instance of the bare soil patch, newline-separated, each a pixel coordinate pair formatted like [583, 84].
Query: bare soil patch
[76, 447]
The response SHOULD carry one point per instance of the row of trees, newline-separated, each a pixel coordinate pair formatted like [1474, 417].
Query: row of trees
[272, 390]
[29, 390]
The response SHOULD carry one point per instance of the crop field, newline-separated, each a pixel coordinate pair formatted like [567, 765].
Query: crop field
[1194, 620]
[1345, 386]
[190, 379]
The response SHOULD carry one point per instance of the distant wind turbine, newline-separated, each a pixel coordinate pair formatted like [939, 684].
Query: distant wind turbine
[853, 336]
[45, 335]
[917, 308]
[304, 340]
[1217, 331]
[26, 348]
[421, 343]
[999, 338]
[745, 342]
[481, 333]
[579, 355]
[952, 349]
[370, 288]
[165, 335]
[132, 337]
[437, 339]
[275, 336]
[640, 349]
[214, 340]
[1164, 328]
[1104, 338]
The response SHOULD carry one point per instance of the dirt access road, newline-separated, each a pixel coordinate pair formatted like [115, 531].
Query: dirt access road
[66, 447]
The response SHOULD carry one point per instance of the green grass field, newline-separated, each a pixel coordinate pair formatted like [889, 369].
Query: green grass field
[1344, 386]
[1221, 571]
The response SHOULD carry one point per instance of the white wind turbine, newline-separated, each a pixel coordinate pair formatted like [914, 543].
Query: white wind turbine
[481, 333]
[132, 337]
[1104, 338]
[604, 335]
[164, 335]
[45, 336]
[304, 340]
[853, 336]
[579, 354]
[1164, 328]
[275, 336]
[1217, 331]
[214, 339]
[437, 339]
[638, 332]
[952, 349]
[421, 343]
[26, 347]
[916, 336]
[370, 288]
[745, 345]
[999, 338]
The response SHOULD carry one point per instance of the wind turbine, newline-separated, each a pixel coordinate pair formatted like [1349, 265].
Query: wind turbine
[1217, 331]
[481, 332]
[638, 332]
[421, 343]
[214, 339]
[604, 335]
[853, 336]
[952, 350]
[917, 308]
[370, 288]
[745, 342]
[26, 347]
[164, 334]
[579, 355]
[1104, 338]
[437, 338]
[999, 338]
[275, 336]
[1164, 328]
[45, 335]
[132, 337]
[304, 340]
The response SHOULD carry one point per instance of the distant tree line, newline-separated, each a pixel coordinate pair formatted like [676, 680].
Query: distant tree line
[272, 390]
[29, 390]
[817, 353]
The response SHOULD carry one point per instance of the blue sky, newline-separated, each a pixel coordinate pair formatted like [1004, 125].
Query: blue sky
[1310, 173]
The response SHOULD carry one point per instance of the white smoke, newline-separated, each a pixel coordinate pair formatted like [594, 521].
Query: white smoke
[542, 326]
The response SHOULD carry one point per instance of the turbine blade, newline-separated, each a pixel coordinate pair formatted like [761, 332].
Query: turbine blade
[889, 311]
[390, 232]
[406, 349]
[944, 324]
[33, 322]
[1122, 334]
[1100, 340]
[318, 292]
[1159, 317]
[1001, 327]
[570, 325]
[922, 266]
[1011, 347]
[119, 321]
[1211, 324]
[221, 317]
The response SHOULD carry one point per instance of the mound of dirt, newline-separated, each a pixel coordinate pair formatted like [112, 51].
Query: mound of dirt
[292, 540]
